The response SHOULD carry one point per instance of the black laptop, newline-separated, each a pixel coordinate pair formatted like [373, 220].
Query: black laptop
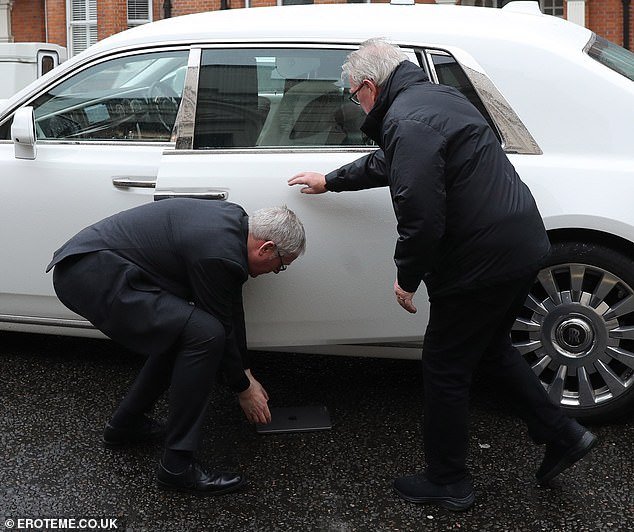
[296, 419]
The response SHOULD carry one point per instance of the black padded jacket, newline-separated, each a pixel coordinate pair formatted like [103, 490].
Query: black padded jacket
[465, 219]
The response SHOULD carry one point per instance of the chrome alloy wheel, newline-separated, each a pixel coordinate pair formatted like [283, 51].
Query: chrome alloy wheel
[576, 330]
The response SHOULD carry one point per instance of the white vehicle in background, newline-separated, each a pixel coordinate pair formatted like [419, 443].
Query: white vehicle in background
[228, 105]
[22, 63]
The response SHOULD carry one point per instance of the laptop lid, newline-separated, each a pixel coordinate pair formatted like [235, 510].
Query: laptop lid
[296, 419]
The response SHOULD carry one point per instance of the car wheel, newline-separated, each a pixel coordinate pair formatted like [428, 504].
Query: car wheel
[576, 330]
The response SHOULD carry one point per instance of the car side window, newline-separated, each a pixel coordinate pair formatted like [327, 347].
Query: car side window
[274, 97]
[131, 98]
[448, 72]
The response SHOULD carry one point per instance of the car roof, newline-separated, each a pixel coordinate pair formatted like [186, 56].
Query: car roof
[405, 24]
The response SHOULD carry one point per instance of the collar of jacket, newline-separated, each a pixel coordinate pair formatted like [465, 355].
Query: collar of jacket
[403, 76]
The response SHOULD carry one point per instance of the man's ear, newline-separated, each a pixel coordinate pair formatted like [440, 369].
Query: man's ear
[374, 89]
[266, 247]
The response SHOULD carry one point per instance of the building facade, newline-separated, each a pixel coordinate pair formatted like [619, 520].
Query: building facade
[77, 24]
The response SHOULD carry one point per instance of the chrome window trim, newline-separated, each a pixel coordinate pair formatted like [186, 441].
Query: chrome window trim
[515, 136]
[183, 131]
[275, 149]
[119, 143]
[590, 43]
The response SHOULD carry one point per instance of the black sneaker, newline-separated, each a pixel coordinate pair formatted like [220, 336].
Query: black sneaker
[558, 458]
[417, 488]
[146, 429]
[196, 479]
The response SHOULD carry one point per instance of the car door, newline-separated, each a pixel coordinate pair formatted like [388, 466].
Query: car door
[100, 133]
[256, 117]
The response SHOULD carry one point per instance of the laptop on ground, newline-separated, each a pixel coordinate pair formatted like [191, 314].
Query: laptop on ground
[296, 419]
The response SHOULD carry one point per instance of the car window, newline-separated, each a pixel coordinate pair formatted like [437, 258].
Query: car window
[613, 56]
[449, 72]
[275, 97]
[131, 98]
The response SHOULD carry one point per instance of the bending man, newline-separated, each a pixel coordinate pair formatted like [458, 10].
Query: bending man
[165, 279]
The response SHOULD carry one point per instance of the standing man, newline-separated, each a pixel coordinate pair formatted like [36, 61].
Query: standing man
[166, 279]
[470, 229]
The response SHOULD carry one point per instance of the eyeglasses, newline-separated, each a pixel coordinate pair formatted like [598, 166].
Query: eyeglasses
[283, 266]
[353, 95]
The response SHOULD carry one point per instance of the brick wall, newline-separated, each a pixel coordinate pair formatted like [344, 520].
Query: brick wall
[112, 17]
[27, 23]
[56, 10]
[185, 7]
[605, 17]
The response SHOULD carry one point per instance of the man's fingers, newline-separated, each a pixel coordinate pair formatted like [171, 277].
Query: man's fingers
[267, 414]
[407, 304]
[298, 179]
[261, 415]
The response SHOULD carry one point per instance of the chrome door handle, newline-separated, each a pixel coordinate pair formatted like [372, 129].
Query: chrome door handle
[134, 182]
[209, 195]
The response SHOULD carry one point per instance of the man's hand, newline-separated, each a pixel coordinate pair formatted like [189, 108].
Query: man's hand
[315, 182]
[254, 401]
[404, 298]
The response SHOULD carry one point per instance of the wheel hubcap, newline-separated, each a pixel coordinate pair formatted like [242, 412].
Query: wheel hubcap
[576, 330]
[573, 337]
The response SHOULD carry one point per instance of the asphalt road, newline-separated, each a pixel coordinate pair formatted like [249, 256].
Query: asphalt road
[56, 393]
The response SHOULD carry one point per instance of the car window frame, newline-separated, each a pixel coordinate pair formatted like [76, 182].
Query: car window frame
[183, 134]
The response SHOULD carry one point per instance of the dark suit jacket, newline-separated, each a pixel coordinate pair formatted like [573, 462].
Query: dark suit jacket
[159, 260]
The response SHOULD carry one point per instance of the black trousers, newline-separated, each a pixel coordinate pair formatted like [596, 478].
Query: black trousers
[96, 285]
[188, 370]
[467, 330]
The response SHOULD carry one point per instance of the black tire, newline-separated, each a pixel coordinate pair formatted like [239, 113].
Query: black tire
[576, 330]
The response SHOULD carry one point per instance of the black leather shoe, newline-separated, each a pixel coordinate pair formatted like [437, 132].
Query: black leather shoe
[557, 458]
[417, 488]
[195, 479]
[145, 430]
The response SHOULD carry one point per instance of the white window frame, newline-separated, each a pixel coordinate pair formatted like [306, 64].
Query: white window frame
[577, 12]
[88, 24]
[139, 21]
[551, 8]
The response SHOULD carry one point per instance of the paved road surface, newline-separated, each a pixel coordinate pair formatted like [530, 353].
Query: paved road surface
[56, 393]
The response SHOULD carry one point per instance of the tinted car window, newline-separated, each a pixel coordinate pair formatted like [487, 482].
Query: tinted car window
[450, 73]
[129, 98]
[613, 56]
[274, 97]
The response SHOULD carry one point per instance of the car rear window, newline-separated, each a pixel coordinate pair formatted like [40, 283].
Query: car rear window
[613, 56]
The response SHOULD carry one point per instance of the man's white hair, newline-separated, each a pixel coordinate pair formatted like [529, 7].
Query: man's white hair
[280, 225]
[375, 60]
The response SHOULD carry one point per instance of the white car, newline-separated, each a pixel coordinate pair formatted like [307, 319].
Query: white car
[228, 105]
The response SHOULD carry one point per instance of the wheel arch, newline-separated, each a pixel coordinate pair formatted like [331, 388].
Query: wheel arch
[593, 236]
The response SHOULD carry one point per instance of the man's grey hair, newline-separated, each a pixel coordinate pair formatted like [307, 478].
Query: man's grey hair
[282, 226]
[375, 60]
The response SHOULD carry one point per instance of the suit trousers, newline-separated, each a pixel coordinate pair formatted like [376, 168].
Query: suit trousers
[468, 330]
[185, 344]
[188, 370]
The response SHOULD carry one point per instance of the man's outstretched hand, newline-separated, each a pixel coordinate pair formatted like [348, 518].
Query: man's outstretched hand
[314, 182]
